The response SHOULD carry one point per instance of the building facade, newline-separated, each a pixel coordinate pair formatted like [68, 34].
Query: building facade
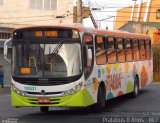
[36, 12]
[143, 12]
[16, 13]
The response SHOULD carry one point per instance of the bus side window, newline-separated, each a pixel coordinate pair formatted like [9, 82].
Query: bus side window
[120, 50]
[111, 50]
[100, 50]
[142, 50]
[148, 48]
[128, 47]
[136, 49]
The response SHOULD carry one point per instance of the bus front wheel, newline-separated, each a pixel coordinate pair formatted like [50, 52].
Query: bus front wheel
[44, 109]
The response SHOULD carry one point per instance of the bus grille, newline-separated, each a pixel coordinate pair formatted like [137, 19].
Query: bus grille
[47, 93]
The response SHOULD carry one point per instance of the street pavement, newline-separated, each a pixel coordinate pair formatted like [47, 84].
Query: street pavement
[145, 108]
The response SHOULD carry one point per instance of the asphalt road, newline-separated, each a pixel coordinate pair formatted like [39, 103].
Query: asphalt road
[145, 108]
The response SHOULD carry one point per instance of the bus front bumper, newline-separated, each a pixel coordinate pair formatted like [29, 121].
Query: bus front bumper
[79, 99]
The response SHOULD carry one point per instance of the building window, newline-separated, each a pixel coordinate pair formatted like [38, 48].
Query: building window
[5, 35]
[158, 14]
[1, 2]
[43, 4]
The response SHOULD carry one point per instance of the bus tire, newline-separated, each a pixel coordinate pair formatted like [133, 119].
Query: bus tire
[136, 87]
[101, 99]
[44, 109]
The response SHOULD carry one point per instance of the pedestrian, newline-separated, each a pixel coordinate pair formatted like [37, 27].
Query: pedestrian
[1, 76]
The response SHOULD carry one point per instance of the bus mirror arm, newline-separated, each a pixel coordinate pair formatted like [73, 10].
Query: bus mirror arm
[5, 50]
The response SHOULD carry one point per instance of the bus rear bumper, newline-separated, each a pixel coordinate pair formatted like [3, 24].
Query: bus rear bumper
[79, 99]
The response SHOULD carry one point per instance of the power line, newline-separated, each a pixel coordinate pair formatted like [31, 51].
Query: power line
[72, 14]
[66, 8]
[34, 21]
[124, 11]
[116, 16]
[129, 7]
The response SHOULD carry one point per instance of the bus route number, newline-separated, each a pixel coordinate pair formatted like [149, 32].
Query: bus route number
[30, 88]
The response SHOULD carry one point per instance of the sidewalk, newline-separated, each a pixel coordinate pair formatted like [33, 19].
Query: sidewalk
[5, 90]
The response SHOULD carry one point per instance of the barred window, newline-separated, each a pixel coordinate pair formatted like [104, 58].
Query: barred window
[43, 4]
[32, 4]
[46, 4]
[39, 4]
[5, 35]
[53, 4]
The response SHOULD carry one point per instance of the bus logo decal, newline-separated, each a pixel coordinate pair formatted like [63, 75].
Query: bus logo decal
[43, 92]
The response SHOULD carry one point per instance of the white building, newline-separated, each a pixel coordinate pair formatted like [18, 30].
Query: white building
[20, 13]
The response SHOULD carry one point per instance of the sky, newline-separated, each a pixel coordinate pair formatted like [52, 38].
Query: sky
[108, 10]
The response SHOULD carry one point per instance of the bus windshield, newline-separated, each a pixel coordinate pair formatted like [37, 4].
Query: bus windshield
[44, 60]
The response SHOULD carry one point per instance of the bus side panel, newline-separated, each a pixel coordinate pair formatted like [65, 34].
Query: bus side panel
[146, 73]
[119, 79]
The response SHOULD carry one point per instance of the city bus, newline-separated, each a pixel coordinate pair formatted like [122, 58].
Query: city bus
[75, 66]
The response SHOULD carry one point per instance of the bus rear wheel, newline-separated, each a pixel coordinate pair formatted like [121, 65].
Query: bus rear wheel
[101, 99]
[44, 109]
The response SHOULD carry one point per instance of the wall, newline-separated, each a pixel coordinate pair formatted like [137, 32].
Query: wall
[122, 17]
[18, 12]
[135, 27]
[154, 5]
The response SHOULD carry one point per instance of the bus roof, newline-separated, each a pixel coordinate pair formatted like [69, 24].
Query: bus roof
[81, 28]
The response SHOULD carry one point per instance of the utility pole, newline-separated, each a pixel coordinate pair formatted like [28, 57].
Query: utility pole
[79, 11]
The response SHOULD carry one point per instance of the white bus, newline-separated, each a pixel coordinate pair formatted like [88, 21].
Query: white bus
[73, 66]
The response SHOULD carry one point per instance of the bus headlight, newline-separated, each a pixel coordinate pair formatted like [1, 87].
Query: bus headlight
[18, 91]
[73, 90]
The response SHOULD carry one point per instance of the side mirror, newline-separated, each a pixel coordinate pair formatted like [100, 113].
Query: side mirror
[5, 50]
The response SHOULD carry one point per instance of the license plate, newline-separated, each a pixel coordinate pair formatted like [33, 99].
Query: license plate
[44, 101]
